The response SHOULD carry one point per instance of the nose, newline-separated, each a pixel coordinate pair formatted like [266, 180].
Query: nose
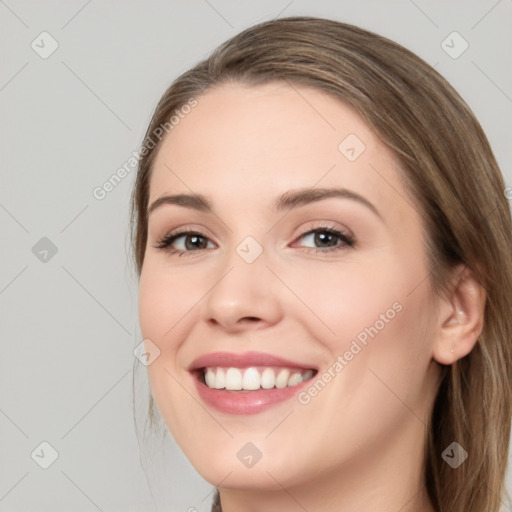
[243, 295]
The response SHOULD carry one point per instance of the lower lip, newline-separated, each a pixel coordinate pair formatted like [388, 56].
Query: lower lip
[245, 402]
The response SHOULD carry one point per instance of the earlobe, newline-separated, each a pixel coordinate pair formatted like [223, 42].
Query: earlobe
[461, 318]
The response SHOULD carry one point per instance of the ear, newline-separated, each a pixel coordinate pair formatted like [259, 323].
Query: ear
[461, 317]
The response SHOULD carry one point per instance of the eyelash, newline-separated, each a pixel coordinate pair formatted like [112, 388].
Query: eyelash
[348, 240]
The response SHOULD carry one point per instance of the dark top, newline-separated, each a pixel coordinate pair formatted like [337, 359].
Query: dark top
[216, 502]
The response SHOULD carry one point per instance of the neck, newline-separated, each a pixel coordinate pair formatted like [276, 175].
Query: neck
[389, 480]
[420, 502]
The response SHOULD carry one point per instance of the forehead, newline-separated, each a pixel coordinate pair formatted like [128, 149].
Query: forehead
[243, 143]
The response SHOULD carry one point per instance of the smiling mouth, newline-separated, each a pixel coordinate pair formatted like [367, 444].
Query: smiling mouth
[253, 378]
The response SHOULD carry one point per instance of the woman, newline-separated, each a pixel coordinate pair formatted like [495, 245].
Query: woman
[369, 373]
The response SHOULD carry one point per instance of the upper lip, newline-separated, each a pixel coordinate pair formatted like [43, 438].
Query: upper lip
[243, 360]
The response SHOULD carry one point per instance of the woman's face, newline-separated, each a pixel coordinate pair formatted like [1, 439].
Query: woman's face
[288, 279]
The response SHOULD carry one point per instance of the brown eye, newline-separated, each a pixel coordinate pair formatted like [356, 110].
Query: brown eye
[192, 241]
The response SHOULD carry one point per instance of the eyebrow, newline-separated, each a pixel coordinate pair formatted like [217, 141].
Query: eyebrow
[288, 201]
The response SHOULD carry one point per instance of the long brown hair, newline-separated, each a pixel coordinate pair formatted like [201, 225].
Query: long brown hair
[447, 165]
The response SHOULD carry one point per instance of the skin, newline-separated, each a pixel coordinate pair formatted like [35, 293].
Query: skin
[357, 445]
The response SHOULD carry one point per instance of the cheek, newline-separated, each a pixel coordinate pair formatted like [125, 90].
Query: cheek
[388, 348]
[344, 300]
[163, 299]
[379, 315]
[153, 302]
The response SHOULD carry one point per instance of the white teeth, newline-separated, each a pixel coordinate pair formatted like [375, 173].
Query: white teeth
[268, 378]
[220, 379]
[209, 377]
[251, 379]
[282, 379]
[235, 379]
[295, 379]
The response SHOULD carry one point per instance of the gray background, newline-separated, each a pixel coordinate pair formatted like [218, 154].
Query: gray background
[68, 122]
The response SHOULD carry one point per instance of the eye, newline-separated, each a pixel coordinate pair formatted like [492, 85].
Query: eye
[192, 242]
[195, 241]
[325, 237]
